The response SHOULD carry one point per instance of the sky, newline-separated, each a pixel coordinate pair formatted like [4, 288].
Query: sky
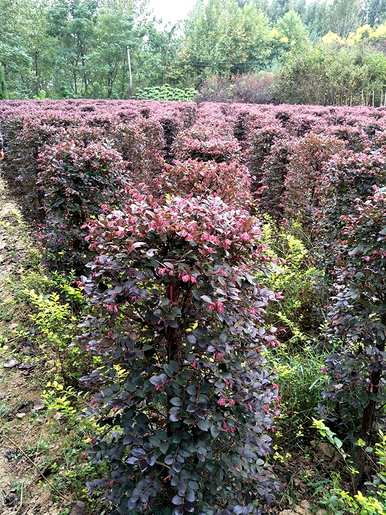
[172, 10]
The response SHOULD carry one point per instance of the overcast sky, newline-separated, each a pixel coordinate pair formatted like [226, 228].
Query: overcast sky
[172, 10]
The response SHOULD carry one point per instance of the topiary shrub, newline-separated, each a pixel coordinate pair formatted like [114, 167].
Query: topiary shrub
[358, 317]
[25, 136]
[141, 145]
[304, 173]
[262, 141]
[186, 402]
[229, 181]
[206, 144]
[74, 179]
[355, 137]
[272, 184]
[346, 177]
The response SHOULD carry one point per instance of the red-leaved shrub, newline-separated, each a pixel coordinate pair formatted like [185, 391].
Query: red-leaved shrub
[347, 177]
[178, 311]
[355, 394]
[74, 179]
[229, 181]
[206, 144]
[305, 170]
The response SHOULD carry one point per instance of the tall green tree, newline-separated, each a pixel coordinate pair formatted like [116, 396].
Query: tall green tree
[223, 38]
[316, 18]
[14, 59]
[114, 37]
[3, 87]
[344, 16]
[291, 34]
[159, 61]
[72, 24]
[375, 12]
[278, 8]
[39, 47]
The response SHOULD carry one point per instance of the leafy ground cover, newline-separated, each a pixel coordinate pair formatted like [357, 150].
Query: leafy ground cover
[23, 436]
[40, 444]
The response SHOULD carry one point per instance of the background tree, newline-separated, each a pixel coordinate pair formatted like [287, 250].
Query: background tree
[345, 16]
[3, 88]
[332, 74]
[224, 38]
[40, 47]
[159, 60]
[278, 8]
[72, 24]
[115, 36]
[290, 34]
[13, 56]
[375, 12]
[316, 18]
[82, 48]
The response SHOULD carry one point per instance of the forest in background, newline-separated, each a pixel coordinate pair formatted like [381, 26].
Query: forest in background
[296, 51]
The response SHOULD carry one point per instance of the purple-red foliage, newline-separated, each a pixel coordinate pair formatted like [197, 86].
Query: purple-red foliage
[261, 143]
[357, 316]
[74, 179]
[179, 271]
[355, 138]
[141, 144]
[178, 309]
[272, 183]
[229, 181]
[305, 170]
[346, 177]
[286, 148]
[206, 144]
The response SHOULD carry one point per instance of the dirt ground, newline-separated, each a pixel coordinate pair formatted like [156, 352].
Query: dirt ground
[25, 487]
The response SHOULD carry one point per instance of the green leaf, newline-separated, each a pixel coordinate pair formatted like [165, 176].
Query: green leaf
[171, 368]
[203, 424]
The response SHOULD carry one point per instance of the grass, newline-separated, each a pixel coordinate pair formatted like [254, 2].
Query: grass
[301, 380]
[5, 410]
[47, 470]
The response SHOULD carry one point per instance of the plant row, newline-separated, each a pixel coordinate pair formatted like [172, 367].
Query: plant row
[158, 207]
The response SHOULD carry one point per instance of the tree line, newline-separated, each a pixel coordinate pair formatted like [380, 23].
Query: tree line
[111, 48]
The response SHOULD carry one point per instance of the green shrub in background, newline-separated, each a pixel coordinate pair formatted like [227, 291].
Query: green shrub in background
[340, 502]
[294, 276]
[301, 383]
[3, 87]
[166, 92]
[332, 74]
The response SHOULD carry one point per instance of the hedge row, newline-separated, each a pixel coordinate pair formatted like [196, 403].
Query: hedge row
[167, 195]
[180, 130]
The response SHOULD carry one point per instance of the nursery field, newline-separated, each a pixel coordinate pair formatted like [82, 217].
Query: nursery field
[192, 310]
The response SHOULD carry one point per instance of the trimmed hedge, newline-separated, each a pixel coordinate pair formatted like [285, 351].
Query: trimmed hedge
[168, 191]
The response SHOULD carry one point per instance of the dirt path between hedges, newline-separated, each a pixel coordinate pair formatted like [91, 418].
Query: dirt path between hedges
[24, 489]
